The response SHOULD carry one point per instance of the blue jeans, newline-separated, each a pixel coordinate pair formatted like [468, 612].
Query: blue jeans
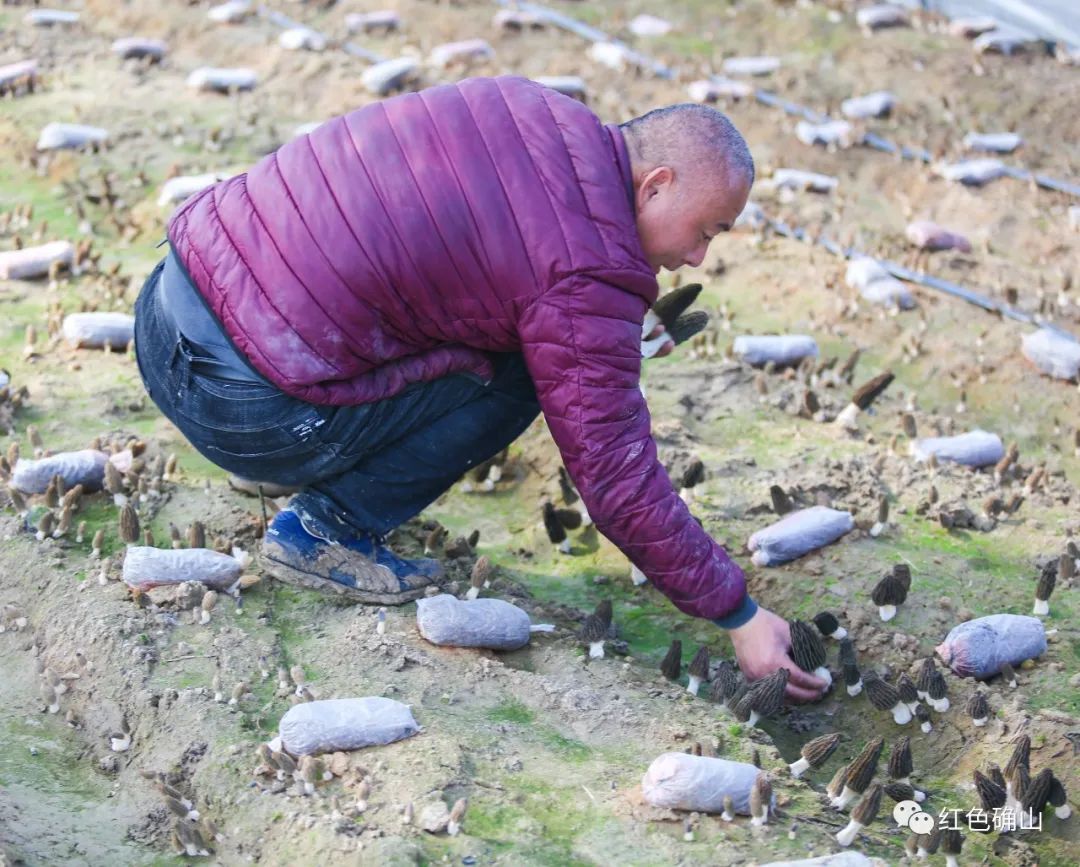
[366, 468]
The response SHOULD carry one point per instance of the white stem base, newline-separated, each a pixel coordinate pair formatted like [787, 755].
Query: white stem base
[693, 685]
[1063, 812]
[900, 714]
[848, 418]
[950, 861]
[564, 546]
[926, 728]
[845, 797]
[877, 529]
[686, 495]
[596, 651]
[980, 722]
[824, 674]
[854, 689]
[638, 577]
[839, 634]
[847, 836]
[887, 612]
[754, 717]
[940, 704]
[472, 593]
[758, 821]
[798, 768]
[920, 796]
[923, 696]
[727, 817]
[1042, 607]
[204, 617]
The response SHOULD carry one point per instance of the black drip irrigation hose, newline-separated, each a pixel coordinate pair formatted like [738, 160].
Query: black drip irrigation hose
[921, 155]
[928, 280]
[350, 48]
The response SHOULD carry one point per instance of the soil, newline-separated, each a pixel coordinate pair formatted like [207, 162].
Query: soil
[548, 746]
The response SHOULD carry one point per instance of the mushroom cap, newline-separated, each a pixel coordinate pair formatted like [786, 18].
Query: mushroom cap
[905, 687]
[890, 590]
[743, 705]
[768, 693]
[852, 675]
[604, 611]
[699, 665]
[129, 525]
[926, 671]
[995, 774]
[725, 681]
[1037, 793]
[196, 534]
[457, 812]
[555, 531]
[1019, 780]
[807, 648]
[482, 570]
[847, 652]
[671, 305]
[930, 842]
[977, 706]
[903, 573]
[952, 841]
[1056, 795]
[693, 475]
[883, 510]
[1047, 580]
[867, 809]
[869, 391]
[817, 751]
[991, 795]
[900, 791]
[781, 502]
[882, 695]
[569, 518]
[671, 667]
[826, 622]
[900, 763]
[938, 687]
[1021, 755]
[593, 629]
[861, 771]
[839, 779]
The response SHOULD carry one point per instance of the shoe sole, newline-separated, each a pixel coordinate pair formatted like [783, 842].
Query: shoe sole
[289, 574]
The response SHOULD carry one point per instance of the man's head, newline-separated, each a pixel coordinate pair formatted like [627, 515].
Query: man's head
[692, 175]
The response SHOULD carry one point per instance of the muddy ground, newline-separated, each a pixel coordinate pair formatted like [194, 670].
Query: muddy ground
[548, 750]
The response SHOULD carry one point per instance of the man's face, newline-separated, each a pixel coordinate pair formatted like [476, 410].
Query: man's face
[677, 218]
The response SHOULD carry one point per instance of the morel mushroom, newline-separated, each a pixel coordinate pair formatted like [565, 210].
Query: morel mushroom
[698, 670]
[889, 592]
[815, 753]
[808, 650]
[1047, 580]
[978, 709]
[884, 696]
[860, 772]
[852, 675]
[671, 666]
[864, 813]
[829, 626]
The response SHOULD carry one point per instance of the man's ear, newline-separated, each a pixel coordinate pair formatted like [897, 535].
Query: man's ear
[653, 183]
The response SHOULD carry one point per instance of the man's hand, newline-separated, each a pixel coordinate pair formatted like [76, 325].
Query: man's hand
[668, 344]
[762, 645]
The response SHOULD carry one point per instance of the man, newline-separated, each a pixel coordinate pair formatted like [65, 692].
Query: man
[386, 302]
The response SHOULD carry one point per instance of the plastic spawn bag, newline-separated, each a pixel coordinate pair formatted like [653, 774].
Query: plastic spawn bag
[780, 348]
[979, 648]
[96, 330]
[680, 781]
[146, 568]
[798, 533]
[1054, 353]
[85, 467]
[840, 859]
[491, 623]
[976, 448]
[334, 724]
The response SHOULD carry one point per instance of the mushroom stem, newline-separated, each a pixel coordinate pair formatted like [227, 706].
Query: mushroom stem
[1042, 607]
[824, 674]
[855, 688]
[980, 722]
[758, 821]
[887, 612]
[472, 593]
[564, 546]
[799, 767]
[694, 685]
[838, 633]
[950, 861]
[727, 815]
[754, 717]
[848, 418]
[847, 836]
[901, 714]
[596, 651]
[1063, 812]
[637, 576]
[877, 529]
[844, 798]
[940, 704]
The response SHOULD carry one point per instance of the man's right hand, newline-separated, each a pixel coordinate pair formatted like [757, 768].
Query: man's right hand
[761, 647]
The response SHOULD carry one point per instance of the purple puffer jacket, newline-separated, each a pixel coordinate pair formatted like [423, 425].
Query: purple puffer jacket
[399, 242]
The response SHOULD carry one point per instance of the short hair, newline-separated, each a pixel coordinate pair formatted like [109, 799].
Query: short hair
[689, 134]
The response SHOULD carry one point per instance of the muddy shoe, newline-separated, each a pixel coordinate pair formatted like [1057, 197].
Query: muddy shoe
[357, 568]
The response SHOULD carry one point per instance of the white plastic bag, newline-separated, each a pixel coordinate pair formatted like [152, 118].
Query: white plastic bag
[1054, 353]
[146, 568]
[798, 533]
[342, 724]
[980, 648]
[780, 349]
[976, 448]
[30, 262]
[95, 330]
[85, 467]
[491, 623]
[680, 781]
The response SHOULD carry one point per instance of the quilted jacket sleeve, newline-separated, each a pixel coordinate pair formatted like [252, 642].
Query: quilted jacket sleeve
[581, 342]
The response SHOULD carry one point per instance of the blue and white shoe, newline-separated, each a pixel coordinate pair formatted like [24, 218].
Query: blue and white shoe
[359, 568]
